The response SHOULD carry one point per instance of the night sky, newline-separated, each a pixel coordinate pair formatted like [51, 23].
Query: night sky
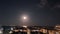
[40, 12]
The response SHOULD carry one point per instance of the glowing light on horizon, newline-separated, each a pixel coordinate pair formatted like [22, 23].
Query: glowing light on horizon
[25, 26]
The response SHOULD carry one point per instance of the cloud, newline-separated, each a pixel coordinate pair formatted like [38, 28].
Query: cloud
[43, 3]
[49, 4]
[57, 6]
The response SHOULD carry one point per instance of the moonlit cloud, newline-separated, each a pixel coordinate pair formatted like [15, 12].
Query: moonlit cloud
[57, 6]
[49, 4]
[43, 3]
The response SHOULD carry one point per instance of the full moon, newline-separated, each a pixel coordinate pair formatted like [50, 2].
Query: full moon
[25, 17]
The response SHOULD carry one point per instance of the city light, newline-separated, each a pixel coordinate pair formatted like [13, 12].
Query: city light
[25, 26]
[10, 32]
[11, 28]
[16, 30]
[35, 30]
[1, 32]
[21, 30]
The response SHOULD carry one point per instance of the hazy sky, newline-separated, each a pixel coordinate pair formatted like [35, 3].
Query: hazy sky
[39, 12]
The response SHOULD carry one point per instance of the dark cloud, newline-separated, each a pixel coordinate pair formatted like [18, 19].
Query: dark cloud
[52, 4]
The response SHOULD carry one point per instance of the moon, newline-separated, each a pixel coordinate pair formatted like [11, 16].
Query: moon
[25, 17]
